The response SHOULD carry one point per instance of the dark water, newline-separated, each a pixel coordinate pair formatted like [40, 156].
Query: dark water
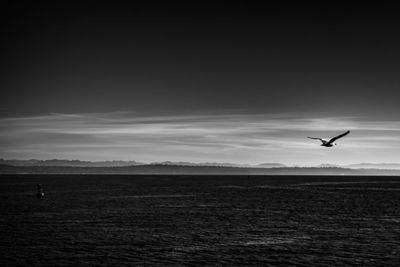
[200, 220]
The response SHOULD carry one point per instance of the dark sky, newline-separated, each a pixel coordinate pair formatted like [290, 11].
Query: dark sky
[163, 58]
[199, 81]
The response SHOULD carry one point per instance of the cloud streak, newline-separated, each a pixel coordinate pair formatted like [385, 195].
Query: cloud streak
[241, 138]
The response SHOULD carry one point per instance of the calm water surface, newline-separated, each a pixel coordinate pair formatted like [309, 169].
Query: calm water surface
[200, 220]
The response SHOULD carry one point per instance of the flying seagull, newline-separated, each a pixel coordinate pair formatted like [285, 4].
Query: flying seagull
[330, 143]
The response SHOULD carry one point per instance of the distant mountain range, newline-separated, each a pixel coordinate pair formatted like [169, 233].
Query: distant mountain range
[182, 168]
[214, 164]
[70, 163]
[79, 163]
[380, 166]
[121, 163]
[190, 170]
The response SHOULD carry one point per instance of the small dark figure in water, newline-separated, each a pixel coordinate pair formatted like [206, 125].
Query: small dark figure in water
[40, 193]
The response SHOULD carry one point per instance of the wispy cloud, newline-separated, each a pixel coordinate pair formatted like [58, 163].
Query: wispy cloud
[234, 137]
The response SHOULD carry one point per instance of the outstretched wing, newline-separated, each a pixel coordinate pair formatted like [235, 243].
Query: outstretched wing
[317, 138]
[339, 136]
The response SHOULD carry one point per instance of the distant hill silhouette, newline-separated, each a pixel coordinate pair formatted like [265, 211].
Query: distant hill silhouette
[327, 165]
[71, 163]
[382, 166]
[190, 170]
[79, 163]
[57, 166]
[271, 165]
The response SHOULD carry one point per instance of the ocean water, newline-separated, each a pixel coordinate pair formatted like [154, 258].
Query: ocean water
[122, 220]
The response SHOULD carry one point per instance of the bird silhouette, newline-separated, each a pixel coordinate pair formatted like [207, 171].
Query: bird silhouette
[331, 142]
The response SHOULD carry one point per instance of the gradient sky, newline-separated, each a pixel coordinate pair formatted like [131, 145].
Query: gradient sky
[200, 82]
